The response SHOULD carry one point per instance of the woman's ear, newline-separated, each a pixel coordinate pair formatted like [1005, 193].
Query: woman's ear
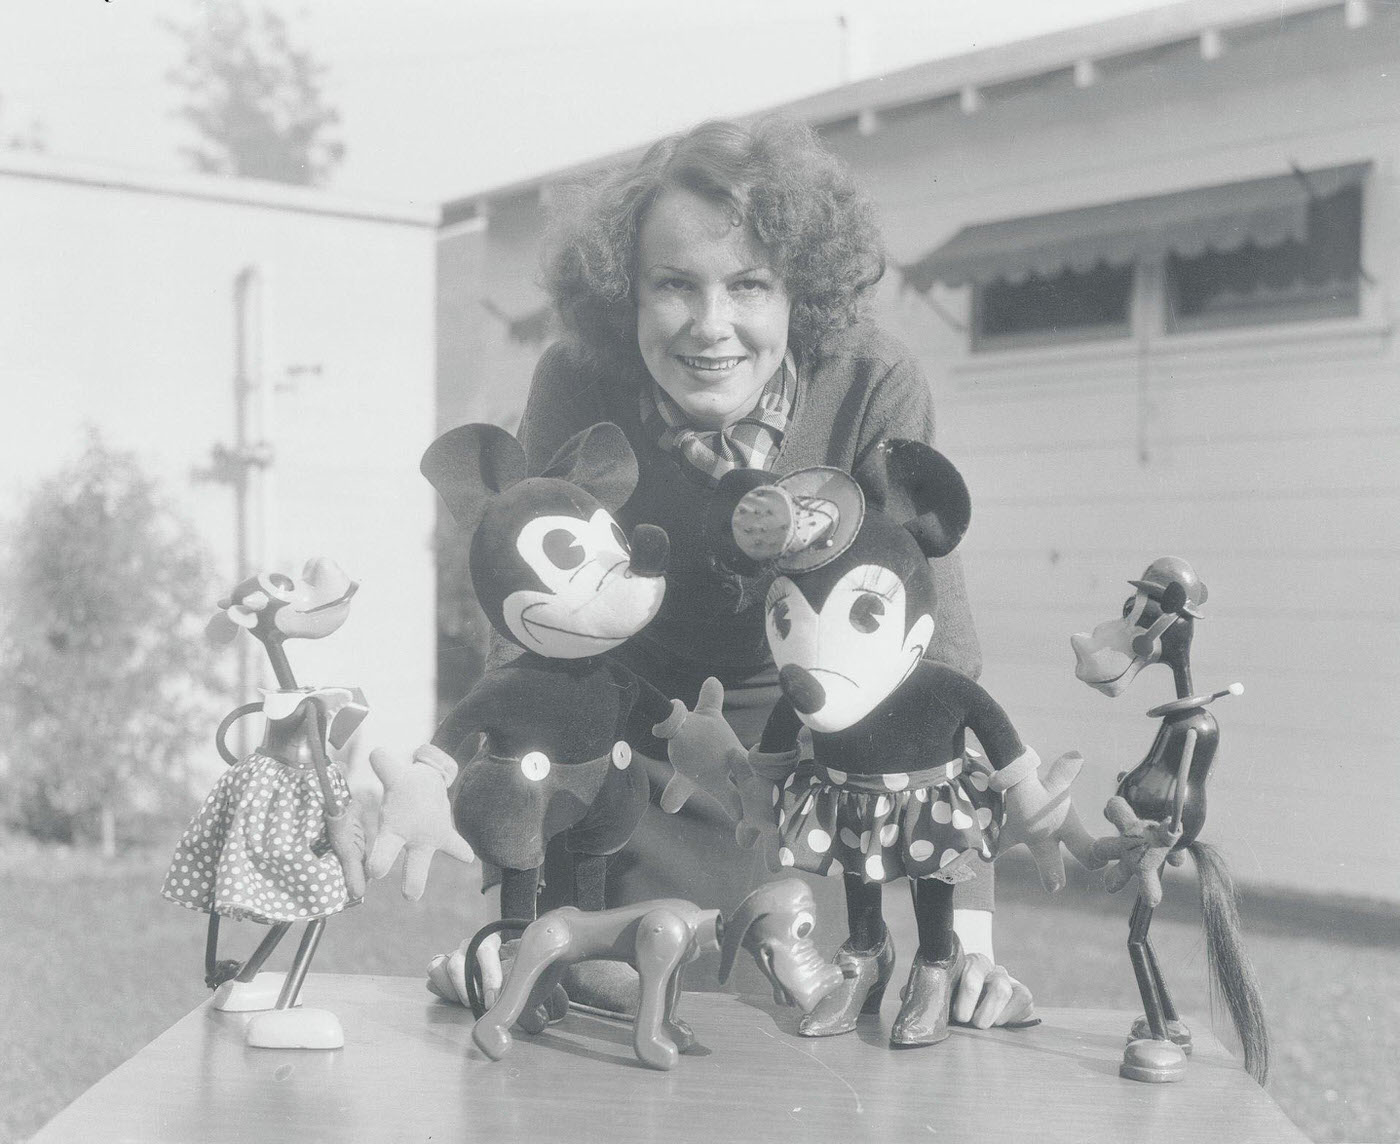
[600, 461]
[471, 464]
[920, 488]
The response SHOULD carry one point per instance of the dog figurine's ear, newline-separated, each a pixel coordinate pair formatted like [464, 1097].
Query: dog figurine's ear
[600, 461]
[471, 464]
[921, 489]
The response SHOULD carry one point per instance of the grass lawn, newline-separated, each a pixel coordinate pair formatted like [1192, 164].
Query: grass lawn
[94, 964]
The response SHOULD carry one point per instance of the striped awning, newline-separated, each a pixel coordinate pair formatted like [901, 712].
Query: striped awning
[1263, 211]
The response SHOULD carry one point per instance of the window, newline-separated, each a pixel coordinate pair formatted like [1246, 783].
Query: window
[1070, 305]
[1273, 249]
[1317, 277]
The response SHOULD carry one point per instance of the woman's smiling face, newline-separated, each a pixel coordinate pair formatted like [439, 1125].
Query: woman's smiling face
[712, 314]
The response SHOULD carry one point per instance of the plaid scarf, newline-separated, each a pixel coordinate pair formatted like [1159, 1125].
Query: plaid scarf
[750, 443]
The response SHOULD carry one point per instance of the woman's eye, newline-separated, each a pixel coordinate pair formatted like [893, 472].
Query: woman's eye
[751, 285]
[782, 620]
[562, 549]
[866, 612]
[621, 538]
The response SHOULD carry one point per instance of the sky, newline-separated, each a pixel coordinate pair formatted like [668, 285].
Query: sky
[443, 98]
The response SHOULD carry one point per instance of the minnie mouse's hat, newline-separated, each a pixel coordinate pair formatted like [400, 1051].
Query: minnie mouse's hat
[801, 521]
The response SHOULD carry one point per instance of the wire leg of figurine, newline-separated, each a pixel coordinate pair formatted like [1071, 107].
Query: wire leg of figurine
[662, 938]
[1177, 1031]
[542, 944]
[291, 988]
[678, 1030]
[265, 947]
[1155, 1058]
[216, 972]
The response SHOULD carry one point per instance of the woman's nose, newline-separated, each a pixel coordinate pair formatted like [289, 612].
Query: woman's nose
[713, 318]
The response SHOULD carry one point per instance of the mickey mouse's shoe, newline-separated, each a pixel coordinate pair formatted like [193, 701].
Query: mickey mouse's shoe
[864, 977]
[928, 998]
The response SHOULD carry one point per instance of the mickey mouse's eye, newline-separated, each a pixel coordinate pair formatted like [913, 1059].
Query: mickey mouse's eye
[782, 620]
[562, 549]
[621, 538]
[866, 612]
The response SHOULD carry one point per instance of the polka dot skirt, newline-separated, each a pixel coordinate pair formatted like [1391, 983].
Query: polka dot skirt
[928, 824]
[258, 850]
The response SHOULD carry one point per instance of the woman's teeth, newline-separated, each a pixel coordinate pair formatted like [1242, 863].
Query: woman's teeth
[713, 365]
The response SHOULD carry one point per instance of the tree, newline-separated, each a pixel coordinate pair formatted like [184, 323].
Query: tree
[108, 682]
[253, 97]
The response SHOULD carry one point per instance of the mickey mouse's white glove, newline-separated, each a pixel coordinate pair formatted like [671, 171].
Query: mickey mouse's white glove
[415, 815]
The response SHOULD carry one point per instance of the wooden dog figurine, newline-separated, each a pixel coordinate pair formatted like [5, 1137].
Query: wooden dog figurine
[1159, 809]
[658, 938]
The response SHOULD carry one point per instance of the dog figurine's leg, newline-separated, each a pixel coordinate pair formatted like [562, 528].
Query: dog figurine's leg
[538, 1013]
[677, 1029]
[542, 944]
[662, 941]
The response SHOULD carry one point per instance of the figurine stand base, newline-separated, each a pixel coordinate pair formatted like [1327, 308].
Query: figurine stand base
[295, 1029]
[409, 1072]
[1155, 1062]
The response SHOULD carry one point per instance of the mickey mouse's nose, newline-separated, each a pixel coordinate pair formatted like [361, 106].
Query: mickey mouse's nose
[802, 688]
[650, 548]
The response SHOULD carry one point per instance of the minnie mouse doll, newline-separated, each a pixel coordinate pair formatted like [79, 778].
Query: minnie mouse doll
[891, 791]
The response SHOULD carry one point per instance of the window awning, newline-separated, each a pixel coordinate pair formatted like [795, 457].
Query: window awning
[1264, 211]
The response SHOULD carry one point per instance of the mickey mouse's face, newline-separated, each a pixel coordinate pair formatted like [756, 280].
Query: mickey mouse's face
[840, 656]
[590, 598]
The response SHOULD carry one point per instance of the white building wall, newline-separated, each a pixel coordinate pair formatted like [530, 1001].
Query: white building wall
[116, 311]
[1271, 453]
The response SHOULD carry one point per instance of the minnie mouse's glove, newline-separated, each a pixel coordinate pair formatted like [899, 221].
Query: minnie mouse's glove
[1039, 812]
[703, 749]
[415, 815]
[347, 838]
[1140, 849]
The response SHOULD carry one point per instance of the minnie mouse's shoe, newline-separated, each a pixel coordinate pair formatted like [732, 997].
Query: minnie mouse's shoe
[864, 977]
[923, 1018]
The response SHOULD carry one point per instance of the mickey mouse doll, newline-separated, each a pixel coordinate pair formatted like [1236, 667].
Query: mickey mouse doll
[557, 576]
[890, 791]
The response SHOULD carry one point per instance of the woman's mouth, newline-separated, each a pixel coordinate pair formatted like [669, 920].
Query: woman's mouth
[709, 364]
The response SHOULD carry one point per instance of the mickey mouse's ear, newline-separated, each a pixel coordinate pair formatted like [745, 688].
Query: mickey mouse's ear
[919, 487]
[600, 461]
[470, 464]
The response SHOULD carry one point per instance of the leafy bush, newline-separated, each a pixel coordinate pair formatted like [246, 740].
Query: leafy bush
[108, 683]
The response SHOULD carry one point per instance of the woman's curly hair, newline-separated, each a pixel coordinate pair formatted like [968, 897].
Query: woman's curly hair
[776, 176]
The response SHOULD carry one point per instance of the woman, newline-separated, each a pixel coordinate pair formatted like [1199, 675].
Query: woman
[711, 301]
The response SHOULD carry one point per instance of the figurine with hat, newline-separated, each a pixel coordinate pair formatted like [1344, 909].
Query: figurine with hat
[892, 790]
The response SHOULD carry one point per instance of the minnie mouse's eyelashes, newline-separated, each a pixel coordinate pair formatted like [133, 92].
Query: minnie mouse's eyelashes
[867, 612]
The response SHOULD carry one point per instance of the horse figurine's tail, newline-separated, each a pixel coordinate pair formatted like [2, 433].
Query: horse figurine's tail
[1232, 976]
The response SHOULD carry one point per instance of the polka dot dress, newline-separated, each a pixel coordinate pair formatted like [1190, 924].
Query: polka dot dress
[258, 848]
[927, 824]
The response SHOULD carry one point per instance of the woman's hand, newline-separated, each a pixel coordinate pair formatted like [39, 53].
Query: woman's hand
[986, 994]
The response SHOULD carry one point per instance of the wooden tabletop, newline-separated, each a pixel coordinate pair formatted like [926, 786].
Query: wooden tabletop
[409, 1072]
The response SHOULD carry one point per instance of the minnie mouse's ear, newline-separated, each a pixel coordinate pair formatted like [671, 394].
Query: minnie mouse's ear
[920, 488]
[470, 464]
[600, 461]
